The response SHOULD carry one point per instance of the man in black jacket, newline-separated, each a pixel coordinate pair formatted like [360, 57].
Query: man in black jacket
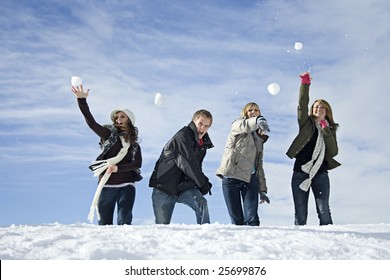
[178, 175]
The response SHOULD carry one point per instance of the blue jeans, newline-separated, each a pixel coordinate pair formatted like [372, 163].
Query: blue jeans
[163, 205]
[320, 187]
[234, 191]
[124, 198]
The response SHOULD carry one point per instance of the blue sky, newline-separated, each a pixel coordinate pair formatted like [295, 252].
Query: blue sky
[216, 55]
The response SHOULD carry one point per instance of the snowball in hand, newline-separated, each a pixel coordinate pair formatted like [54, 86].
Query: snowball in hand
[158, 99]
[273, 88]
[298, 46]
[76, 81]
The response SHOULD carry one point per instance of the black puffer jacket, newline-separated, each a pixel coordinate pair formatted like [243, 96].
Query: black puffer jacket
[179, 167]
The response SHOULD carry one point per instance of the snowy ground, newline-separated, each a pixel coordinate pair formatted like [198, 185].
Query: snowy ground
[192, 242]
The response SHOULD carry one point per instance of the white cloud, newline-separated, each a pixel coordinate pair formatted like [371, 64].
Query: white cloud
[205, 54]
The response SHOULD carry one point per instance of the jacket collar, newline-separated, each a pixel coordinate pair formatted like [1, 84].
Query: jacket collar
[206, 139]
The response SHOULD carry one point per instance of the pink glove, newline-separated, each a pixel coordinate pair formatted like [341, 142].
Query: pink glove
[323, 123]
[305, 78]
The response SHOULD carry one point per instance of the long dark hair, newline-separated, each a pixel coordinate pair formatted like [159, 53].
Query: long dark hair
[131, 134]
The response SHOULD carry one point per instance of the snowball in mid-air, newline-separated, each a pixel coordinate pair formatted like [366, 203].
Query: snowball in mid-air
[273, 88]
[76, 81]
[298, 46]
[158, 99]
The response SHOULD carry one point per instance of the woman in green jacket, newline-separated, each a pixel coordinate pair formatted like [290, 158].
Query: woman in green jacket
[314, 150]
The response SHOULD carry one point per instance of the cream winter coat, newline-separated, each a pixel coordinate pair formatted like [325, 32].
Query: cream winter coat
[243, 152]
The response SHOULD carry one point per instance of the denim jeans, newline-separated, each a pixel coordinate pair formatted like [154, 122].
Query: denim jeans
[234, 191]
[163, 205]
[320, 187]
[124, 198]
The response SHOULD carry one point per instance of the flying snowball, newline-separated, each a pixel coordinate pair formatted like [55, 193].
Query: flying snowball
[76, 81]
[273, 88]
[298, 46]
[158, 99]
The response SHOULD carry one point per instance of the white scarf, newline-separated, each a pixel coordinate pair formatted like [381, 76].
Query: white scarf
[314, 164]
[98, 167]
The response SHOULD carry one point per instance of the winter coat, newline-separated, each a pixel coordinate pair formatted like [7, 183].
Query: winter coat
[307, 127]
[128, 167]
[243, 152]
[179, 167]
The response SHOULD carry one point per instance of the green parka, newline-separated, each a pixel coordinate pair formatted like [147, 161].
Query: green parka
[307, 128]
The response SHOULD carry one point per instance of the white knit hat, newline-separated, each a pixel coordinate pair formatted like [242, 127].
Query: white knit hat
[126, 111]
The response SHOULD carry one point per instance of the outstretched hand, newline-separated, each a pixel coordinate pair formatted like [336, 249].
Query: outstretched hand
[262, 123]
[305, 78]
[79, 92]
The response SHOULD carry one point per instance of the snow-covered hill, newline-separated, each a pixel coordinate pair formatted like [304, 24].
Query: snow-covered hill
[189, 242]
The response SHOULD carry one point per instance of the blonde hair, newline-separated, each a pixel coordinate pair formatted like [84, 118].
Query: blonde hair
[246, 108]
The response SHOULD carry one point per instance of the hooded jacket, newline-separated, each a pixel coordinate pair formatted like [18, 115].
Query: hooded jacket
[243, 152]
[307, 129]
[179, 166]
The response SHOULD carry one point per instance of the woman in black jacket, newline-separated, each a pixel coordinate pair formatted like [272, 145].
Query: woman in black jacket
[120, 187]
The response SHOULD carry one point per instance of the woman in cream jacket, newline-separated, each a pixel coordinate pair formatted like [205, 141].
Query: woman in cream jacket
[241, 167]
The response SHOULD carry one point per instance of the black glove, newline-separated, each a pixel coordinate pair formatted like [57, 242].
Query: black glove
[206, 188]
[264, 197]
[262, 123]
[264, 137]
